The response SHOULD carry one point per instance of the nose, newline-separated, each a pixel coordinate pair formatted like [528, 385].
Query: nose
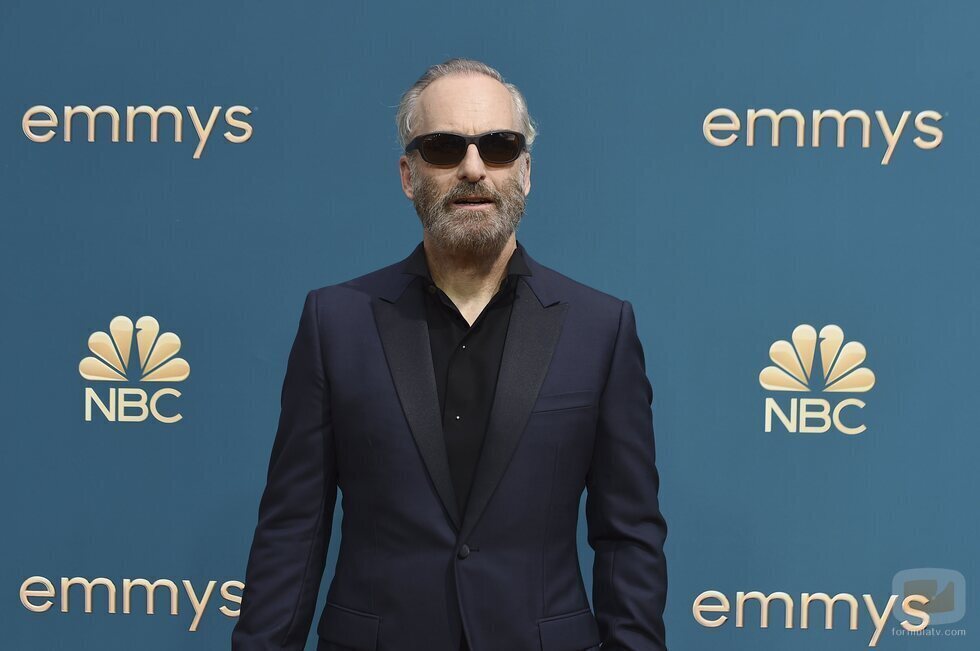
[472, 168]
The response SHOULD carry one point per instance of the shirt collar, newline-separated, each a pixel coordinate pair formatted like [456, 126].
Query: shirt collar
[417, 264]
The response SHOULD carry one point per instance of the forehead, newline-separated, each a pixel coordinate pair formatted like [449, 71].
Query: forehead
[468, 104]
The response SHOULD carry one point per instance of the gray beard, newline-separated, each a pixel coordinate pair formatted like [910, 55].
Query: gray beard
[478, 233]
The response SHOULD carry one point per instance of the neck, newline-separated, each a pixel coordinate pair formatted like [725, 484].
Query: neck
[466, 276]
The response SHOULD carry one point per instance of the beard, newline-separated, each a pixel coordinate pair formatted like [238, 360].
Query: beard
[479, 232]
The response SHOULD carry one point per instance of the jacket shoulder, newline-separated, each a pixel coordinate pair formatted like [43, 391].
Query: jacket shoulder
[575, 291]
[381, 281]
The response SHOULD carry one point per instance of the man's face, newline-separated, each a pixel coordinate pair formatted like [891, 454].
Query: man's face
[494, 194]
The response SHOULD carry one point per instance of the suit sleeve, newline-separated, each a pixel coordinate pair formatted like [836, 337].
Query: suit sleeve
[625, 526]
[288, 553]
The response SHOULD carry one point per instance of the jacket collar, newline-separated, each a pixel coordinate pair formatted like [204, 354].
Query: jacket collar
[417, 264]
[535, 275]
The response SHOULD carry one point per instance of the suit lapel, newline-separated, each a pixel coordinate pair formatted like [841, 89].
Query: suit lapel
[531, 338]
[405, 337]
[535, 324]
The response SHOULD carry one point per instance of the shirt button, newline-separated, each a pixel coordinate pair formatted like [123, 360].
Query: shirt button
[464, 345]
[431, 289]
[464, 551]
[457, 418]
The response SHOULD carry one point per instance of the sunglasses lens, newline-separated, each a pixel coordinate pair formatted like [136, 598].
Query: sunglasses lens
[443, 149]
[501, 147]
[498, 148]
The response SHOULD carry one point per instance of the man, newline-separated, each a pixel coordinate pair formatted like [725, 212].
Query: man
[461, 400]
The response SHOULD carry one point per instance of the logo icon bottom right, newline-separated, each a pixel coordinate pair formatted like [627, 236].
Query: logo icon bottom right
[945, 589]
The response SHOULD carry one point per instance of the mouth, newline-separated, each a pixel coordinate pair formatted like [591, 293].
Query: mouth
[473, 202]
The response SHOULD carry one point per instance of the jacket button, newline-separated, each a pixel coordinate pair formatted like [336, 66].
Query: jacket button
[464, 551]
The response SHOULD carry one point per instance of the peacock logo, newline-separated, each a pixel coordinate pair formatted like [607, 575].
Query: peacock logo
[839, 370]
[156, 361]
[840, 362]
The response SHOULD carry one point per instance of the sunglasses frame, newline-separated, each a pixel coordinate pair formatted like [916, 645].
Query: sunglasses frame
[416, 144]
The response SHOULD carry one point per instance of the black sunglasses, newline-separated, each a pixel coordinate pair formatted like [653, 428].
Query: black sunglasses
[496, 147]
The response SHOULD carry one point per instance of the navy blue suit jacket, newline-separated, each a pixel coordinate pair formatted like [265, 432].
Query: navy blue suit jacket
[572, 411]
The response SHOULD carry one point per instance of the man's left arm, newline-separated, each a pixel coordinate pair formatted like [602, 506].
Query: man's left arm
[626, 528]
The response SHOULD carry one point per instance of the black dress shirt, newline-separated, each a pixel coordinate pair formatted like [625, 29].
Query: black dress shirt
[466, 360]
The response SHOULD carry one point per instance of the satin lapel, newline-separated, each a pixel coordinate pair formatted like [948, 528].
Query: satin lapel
[531, 338]
[405, 336]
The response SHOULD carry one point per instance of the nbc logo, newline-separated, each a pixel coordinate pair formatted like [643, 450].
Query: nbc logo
[157, 363]
[840, 371]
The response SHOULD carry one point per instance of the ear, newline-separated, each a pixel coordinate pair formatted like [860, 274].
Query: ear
[527, 175]
[406, 175]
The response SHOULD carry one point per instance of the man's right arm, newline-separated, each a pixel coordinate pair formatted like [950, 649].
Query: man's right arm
[289, 548]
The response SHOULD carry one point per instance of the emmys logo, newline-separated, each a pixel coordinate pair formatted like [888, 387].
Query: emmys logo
[840, 372]
[44, 117]
[913, 605]
[723, 120]
[38, 595]
[157, 363]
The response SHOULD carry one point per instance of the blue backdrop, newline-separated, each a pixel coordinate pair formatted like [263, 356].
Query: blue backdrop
[722, 250]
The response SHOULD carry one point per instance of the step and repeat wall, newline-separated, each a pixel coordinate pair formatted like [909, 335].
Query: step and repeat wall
[786, 192]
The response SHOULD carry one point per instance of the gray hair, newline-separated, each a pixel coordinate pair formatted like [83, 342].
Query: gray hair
[408, 105]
